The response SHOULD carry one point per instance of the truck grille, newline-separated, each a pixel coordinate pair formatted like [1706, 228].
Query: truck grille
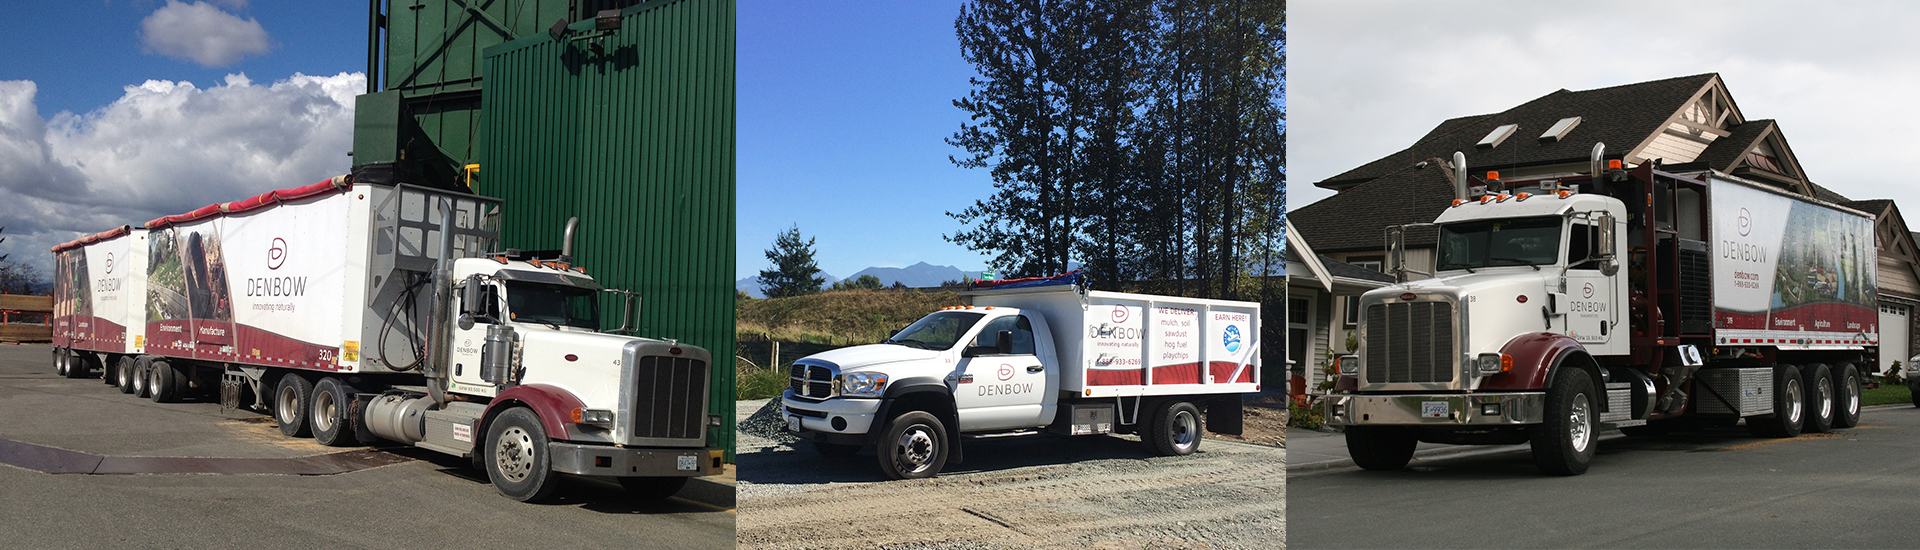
[1410, 342]
[811, 381]
[672, 398]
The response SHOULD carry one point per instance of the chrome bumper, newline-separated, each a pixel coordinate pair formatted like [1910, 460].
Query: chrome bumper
[1489, 409]
[601, 460]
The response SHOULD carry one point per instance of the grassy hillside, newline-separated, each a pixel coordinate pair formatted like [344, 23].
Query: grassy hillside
[811, 323]
[841, 317]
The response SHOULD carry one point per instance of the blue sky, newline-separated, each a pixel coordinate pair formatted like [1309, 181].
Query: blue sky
[844, 108]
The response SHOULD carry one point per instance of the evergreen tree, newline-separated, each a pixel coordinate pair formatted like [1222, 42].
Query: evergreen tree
[794, 273]
[864, 282]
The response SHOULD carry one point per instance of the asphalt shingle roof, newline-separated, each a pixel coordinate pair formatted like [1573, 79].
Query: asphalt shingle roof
[1352, 221]
[1620, 116]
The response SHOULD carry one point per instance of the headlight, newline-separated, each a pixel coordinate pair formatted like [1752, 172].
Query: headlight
[1494, 363]
[1348, 365]
[863, 384]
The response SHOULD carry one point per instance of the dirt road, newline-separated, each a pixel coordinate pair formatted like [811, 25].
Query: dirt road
[1087, 492]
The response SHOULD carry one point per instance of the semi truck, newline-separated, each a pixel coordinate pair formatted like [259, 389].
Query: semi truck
[1030, 357]
[1642, 299]
[356, 312]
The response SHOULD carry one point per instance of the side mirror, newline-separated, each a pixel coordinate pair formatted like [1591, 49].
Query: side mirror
[470, 298]
[1604, 236]
[1004, 342]
[893, 333]
[466, 321]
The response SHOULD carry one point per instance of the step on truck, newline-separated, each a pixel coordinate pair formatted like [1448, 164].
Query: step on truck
[354, 313]
[1029, 357]
[1641, 299]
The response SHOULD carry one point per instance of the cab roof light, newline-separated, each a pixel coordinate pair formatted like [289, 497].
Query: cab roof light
[1456, 202]
[1522, 196]
[1613, 164]
[1493, 175]
[1564, 194]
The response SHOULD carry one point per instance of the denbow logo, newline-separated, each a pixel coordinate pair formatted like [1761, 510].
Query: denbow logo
[277, 254]
[1231, 337]
[109, 263]
[1587, 291]
[1745, 222]
[1006, 372]
[1119, 314]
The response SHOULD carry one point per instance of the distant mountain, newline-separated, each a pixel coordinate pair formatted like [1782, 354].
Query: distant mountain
[917, 275]
[751, 285]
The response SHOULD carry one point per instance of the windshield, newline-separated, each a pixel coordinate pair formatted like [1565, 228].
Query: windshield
[938, 331]
[553, 305]
[1491, 243]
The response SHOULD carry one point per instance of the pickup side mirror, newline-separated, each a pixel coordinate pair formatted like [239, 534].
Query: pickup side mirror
[893, 333]
[1003, 342]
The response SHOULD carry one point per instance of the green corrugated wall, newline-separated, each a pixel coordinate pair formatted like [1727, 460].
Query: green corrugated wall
[639, 143]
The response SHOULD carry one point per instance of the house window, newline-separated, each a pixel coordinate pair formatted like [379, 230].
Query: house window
[1299, 331]
[1353, 302]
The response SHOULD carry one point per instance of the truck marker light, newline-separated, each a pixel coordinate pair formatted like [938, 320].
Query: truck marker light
[1502, 198]
[1613, 164]
[1522, 196]
[1456, 202]
[1565, 194]
[1485, 198]
[1493, 175]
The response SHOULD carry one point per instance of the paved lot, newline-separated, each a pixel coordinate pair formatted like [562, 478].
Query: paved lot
[419, 499]
[1715, 489]
[1037, 492]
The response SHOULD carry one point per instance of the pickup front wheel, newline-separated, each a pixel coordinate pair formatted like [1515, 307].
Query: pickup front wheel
[915, 446]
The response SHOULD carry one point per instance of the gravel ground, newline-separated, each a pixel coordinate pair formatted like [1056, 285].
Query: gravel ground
[1098, 492]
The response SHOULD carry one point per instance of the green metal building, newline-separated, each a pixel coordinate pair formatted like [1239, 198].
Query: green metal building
[616, 111]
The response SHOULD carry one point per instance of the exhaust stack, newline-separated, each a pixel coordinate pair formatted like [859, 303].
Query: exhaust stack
[1459, 175]
[1599, 151]
[566, 245]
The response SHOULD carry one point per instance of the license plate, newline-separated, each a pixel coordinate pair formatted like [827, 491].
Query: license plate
[689, 463]
[1433, 409]
[793, 424]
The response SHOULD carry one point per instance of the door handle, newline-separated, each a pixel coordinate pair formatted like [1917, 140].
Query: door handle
[1036, 368]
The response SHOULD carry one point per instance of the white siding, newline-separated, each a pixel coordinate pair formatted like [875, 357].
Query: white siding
[1675, 149]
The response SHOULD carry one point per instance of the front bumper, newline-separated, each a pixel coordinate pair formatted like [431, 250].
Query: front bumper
[1480, 409]
[853, 417]
[603, 460]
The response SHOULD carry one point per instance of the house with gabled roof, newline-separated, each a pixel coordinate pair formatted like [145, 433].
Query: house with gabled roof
[1689, 123]
[1314, 283]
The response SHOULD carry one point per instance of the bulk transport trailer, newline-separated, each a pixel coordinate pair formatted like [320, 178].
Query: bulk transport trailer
[354, 312]
[1641, 299]
[1028, 357]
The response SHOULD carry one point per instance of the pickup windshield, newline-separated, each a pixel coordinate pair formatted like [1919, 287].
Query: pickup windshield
[1503, 242]
[937, 332]
[554, 305]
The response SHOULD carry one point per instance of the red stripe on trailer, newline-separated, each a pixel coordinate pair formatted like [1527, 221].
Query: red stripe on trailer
[1184, 373]
[1113, 377]
[89, 333]
[256, 202]
[1223, 369]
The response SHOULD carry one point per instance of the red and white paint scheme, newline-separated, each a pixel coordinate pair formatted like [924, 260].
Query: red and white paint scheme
[1030, 355]
[354, 311]
[1632, 298]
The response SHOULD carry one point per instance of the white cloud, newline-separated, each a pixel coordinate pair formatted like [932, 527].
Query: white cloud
[202, 33]
[163, 148]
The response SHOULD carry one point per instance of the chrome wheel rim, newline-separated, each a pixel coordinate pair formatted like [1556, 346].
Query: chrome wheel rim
[1578, 432]
[288, 405]
[1826, 400]
[915, 449]
[1796, 401]
[1186, 430]
[513, 456]
[323, 410]
[153, 378]
[1852, 395]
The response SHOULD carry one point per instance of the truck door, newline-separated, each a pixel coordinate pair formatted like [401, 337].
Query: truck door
[463, 361]
[995, 391]
[1589, 308]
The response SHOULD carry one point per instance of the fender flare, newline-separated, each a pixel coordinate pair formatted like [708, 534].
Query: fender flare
[551, 403]
[1538, 358]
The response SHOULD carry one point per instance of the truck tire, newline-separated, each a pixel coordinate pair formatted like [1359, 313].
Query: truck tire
[1789, 405]
[1176, 429]
[652, 488]
[92, 362]
[1564, 442]
[1380, 447]
[332, 413]
[165, 384]
[1913, 389]
[834, 450]
[1820, 401]
[75, 366]
[1846, 396]
[60, 361]
[111, 374]
[124, 378]
[141, 388]
[516, 453]
[293, 405]
[914, 446]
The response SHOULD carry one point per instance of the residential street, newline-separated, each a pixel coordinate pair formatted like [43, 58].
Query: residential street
[1852, 488]
[239, 496]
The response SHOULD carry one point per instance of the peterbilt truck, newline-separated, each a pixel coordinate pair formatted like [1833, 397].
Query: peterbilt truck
[355, 312]
[1031, 357]
[1641, 299]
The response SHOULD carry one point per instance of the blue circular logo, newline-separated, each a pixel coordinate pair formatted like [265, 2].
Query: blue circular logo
[1231, 338]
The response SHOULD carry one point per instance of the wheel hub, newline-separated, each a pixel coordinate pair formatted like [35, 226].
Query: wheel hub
[915, 449]
[323, 410]
[514, 455]
[288, 405]
[1578, 431]
[1185, 430]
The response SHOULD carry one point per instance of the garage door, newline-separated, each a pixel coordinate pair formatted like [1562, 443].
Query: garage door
[1893, 336]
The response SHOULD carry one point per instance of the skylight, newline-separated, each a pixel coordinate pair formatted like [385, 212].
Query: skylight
[1560, 129]
[1498, 135]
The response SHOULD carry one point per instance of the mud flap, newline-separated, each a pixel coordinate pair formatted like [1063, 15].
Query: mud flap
[1226, 415]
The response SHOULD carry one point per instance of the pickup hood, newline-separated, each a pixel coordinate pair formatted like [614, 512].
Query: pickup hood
[872, 355]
